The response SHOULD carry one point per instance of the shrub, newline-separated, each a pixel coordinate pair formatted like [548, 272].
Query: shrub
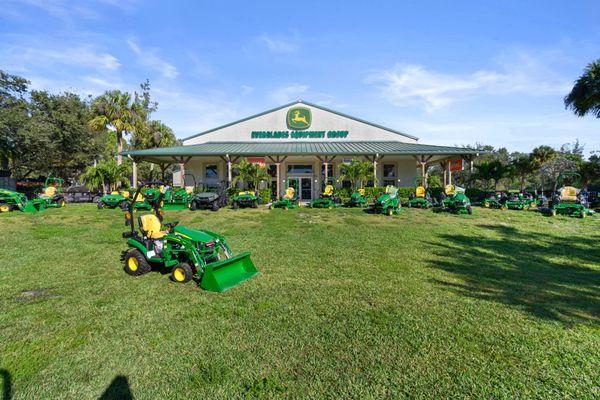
[265, 195]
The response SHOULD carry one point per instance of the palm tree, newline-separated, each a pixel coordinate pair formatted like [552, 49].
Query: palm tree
[152, 134]
[115, 110]
[250, 172]
[94, 178]
[491, 171]
[356, 170]
[585, 95]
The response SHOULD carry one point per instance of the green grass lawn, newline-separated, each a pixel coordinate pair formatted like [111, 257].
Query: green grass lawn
[347, 305]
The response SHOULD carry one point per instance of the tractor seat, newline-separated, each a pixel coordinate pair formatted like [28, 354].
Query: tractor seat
[289, 193]
[125, 194]
[449, 190]
[189, 189]
[420, 191]
[392, 191]
[568, 193]
[114, 192]
[361, 191]
[328, 191]
[150, 226]
[50, 191]
[140, 198]
[243, 193]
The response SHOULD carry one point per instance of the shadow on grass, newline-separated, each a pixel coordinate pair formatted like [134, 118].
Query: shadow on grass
[541, 274]
[6, 384]
[117, 390]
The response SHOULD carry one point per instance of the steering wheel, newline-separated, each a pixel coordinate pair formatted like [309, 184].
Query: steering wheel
[171, 225]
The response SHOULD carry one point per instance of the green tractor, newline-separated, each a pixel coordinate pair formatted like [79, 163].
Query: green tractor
[245, 199]
[150, 196]
[388, 203]
[455, 201]
[495, 200]
[289, 200]
[52, 193]
[328, 199]
[15, 201]
[421, 198]
[114, 199]
[187, 253]
[358, 198]
[569, 200]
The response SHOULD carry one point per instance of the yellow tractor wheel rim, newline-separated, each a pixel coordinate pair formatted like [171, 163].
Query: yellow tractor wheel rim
[4, 208]
[132, 263]
[179, 274]
[62, 203]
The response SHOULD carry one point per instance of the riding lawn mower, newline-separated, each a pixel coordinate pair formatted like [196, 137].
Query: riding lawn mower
[114, 199]
[569, 200]
[421, 198]
[289, 200]
[358, 198]
[455, 201]
[328, 199]
[187, 253]
[52, 193]
[388, 203]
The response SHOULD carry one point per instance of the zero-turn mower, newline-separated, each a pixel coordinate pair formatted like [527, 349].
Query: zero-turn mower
[245, 199]
[289, 200]
[328, 199]
[15, 201]
[518, 200]
[388, 203]
[495, 200]
[455, 201]
[358, 198]
[187, 253]
[569, 200]
[52, 193]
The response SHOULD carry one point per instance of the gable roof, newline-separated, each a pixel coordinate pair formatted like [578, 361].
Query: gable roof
[308, 104]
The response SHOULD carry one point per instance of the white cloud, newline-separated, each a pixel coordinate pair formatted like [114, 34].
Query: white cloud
[288, 93]
[67, 11]
[277, 46]
[19, 57]
[414, 85]
[246, 89]
[148, 57]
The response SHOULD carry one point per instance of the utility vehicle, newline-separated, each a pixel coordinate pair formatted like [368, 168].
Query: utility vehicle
[245, 199]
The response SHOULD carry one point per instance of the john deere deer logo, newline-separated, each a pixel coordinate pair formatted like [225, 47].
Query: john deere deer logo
[298, 118]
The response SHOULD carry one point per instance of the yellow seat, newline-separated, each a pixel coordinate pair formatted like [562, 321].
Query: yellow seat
[189, 189]
[243, 193]
[568, 193]
[150, 226]
[139, 198]
[328, 190]
[361, 191]
[420, 191]
[449, 190]
[50, 191]
[289, 193]
[114, 192]
[125, 193]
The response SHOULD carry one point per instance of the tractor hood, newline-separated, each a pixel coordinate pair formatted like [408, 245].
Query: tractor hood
[194, 234]
[206, 196]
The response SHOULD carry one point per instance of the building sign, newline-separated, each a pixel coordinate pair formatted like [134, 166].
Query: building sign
[256, 160]
[299, 134]
[456, 165]
[299, 118]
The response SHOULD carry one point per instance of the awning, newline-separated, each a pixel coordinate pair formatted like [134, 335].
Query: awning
[177, 153]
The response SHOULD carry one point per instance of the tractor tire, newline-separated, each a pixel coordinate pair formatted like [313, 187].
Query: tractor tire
[182, 273]
[62, 202]
[582, 214]
[100, 205]
[193, 206]
[553, 213]
[255, 204]
[215, 206]
[503, 207]
[5, 208]
[409, 205]
[123, 205]
[135, 263]
[470, 210]
[486, 204]
[235, 205]
[390, 211]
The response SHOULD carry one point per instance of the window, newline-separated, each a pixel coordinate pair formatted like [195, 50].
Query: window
[389, 182]
[300, 169]
[211, 172]
[329, 170]
[389, 171]
[272, 170]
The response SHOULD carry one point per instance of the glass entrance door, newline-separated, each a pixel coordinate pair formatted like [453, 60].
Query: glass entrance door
[303, 187]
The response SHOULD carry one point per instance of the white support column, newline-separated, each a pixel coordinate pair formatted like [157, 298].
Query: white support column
[229, 178]
[134, 173]
[326, 166]
[449, 173]
[277, 175]
[375, 180]
[182, 171]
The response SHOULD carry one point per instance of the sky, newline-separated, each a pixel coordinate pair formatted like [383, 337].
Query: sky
[448, 72]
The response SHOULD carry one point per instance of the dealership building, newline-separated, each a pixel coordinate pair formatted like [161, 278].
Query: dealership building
[303, 145]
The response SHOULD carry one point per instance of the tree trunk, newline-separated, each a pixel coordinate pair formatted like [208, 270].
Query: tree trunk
[119, 147]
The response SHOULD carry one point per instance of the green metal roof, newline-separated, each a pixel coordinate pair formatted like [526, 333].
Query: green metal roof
[308, 104]
[301, 148]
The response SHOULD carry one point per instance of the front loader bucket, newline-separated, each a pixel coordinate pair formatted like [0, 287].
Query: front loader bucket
[223, 275]
[33, 206]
